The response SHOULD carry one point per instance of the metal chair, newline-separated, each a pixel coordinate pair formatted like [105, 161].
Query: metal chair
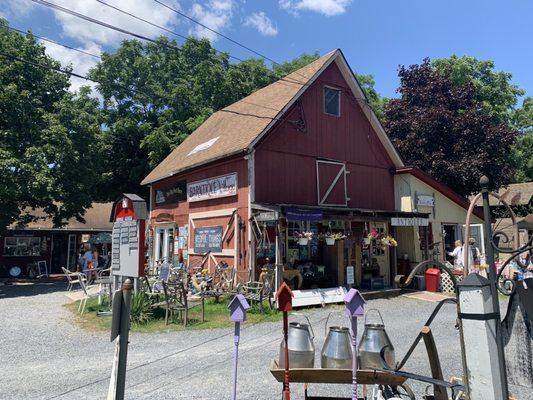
[88, 294]
[73, 278]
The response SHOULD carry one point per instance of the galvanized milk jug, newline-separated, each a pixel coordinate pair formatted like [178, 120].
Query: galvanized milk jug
[375, 339]
[301, 346]
[337, 350]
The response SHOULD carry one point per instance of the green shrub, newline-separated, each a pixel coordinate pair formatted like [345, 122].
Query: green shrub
[141, 310]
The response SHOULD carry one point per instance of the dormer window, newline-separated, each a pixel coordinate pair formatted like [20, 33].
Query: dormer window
[332, 101]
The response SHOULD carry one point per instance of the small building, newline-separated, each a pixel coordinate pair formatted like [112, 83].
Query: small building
[304, 154]
[24, 246]
[417, 191]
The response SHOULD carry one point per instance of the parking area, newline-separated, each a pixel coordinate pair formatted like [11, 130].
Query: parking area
[45, 355]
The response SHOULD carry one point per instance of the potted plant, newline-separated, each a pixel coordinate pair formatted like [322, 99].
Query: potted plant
[303, 237]
[380, 240]
[330, 238]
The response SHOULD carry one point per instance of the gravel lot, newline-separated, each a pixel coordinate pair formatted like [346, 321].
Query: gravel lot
[44, 355]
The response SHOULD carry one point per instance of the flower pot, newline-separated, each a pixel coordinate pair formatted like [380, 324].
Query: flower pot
[330, 241]
[367, 241]
[303, 241]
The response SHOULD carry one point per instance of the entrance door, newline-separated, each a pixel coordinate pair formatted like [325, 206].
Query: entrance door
[59, 253]
[164, 243]
[71, 251]
[379, 255]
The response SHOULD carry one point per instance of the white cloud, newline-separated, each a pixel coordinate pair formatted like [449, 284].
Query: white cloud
[81, 63]
[262, 23]
[16, 8]
[328, 8]
[216, 14]
[88, 32]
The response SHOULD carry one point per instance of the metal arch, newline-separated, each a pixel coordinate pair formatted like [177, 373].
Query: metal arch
[423, 266]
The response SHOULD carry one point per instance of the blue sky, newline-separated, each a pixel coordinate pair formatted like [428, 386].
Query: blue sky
[376, 36]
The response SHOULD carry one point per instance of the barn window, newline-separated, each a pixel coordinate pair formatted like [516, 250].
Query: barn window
[332, 101]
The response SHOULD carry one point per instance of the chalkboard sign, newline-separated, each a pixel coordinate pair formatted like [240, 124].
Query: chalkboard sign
[208, 239]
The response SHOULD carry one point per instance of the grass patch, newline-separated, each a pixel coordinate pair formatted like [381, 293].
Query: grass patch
[216, 316]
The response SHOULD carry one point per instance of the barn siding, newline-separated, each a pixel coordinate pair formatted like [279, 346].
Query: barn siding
[285, 160]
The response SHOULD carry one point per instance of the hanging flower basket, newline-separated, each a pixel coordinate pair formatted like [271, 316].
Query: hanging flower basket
[303, 241]
[330, 241]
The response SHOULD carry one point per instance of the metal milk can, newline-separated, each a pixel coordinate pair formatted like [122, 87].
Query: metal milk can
[375, 339]
[337, 350]
[301, 346]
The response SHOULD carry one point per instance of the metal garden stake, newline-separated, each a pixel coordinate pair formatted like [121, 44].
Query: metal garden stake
[237, 313]
[354, 302]
[284, 298]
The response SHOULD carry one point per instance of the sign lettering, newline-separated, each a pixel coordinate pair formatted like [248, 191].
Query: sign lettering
[212, 188]
[208, 239]
[414, 221]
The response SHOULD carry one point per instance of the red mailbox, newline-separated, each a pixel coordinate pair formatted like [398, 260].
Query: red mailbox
[432, 279]
[129, 216]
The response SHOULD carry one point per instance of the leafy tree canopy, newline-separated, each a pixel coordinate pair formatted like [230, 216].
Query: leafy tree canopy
[439, 125]
[492, 89]
[47, 135]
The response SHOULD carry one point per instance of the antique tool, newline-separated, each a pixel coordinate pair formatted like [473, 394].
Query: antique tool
[337, 349]
[237, 307]
[300, 344]
[284, 299]
[354, 302]
[374, 341]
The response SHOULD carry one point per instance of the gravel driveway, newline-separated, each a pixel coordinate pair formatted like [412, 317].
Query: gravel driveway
[44, 355]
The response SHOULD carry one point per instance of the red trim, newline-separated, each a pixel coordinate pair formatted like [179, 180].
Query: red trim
[442, 188]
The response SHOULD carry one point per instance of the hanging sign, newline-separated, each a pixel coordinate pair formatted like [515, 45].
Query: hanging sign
[404, 221]
[212, 188]
[425, 200]
[171, 194]
[208, 239]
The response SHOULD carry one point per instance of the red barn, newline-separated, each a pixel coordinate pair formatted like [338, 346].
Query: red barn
[305, 154]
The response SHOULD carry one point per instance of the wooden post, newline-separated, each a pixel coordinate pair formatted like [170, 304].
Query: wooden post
[354, 303]
[237, 307]
[439, 392]
[120, 327]
[284, 298]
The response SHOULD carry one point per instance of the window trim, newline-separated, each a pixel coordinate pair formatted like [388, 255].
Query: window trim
[16, 245]
[324, 100]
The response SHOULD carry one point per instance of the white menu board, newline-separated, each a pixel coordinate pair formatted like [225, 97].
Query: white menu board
[125, 248]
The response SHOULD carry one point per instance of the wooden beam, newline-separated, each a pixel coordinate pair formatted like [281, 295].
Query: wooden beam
[439, 392]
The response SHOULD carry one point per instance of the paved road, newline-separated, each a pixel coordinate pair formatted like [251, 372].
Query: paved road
[44, 355]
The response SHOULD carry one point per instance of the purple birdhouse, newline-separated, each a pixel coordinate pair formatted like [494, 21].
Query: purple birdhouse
[237, 308]
[354, 303]
[284, 297]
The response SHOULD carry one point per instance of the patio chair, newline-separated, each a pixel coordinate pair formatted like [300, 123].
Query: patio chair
[89, 293]
[177, 301]
[255, 291]
[73, 278]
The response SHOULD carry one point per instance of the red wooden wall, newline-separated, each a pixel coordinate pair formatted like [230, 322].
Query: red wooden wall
[285, 161]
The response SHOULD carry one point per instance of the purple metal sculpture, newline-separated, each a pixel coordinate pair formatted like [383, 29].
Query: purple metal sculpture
[354, 302]
[237, 313]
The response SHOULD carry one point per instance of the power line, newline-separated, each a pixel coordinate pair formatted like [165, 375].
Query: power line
[214, 31]
[53, 41]
[142, 37]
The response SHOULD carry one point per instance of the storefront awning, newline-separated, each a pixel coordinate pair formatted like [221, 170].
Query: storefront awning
[298, 212]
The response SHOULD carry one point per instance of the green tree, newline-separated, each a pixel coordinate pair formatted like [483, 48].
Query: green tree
[492, 89]
[375, 101]
[47, 135]
[440, 127]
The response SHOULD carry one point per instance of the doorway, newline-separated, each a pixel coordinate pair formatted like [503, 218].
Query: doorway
[164, 243]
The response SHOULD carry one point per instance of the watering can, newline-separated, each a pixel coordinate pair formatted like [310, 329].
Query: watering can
[337, 350]
[374, 340]
[301, 346]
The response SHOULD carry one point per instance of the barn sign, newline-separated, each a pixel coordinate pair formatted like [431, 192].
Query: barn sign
[171, 194]
[208, 239]
[212, 188]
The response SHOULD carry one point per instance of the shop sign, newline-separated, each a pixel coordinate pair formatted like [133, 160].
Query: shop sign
[404, 221]
[208, 239]
[425, 200]
[172, 194]
[266, 216]
[212, 188]
[296, 214]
